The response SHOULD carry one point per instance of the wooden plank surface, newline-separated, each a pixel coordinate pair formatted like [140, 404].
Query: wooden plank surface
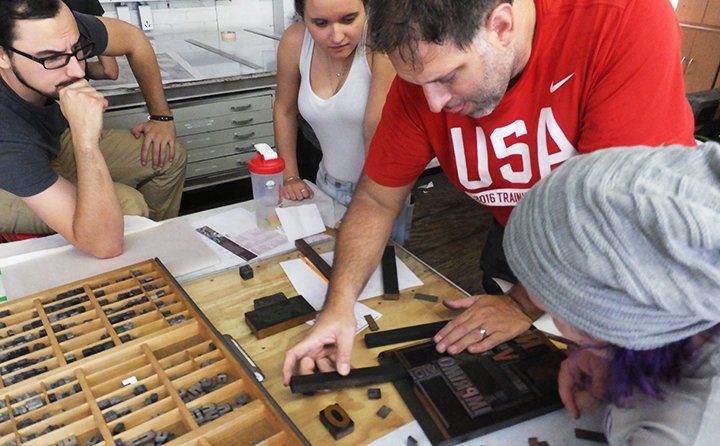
[225, 297]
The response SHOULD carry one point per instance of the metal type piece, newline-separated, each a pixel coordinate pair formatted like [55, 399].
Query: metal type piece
[278, 317]
[314, 258]
[336, 421]
[395, 336]
[356, 378]
[389, 271]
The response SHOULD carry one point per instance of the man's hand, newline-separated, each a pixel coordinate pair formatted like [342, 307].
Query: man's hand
[83, 107]
[159, 138]
[327, 346]
[486, 322]
[583, 381]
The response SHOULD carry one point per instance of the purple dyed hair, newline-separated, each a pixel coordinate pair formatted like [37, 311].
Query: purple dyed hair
[647, 370]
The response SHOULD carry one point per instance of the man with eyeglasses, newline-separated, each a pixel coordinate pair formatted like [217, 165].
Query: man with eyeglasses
[59, 170]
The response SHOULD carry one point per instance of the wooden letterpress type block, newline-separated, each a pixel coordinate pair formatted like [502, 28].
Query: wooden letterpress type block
[314, 258]
[372, 325]
[269, 300]
[389, 271]
[583, 434]
[506, 355]
[427, 297]
[362, 376]
[281, 316]
[246, 272]
[336, 421]
[374, 393]
[383, 412]
[398, 335]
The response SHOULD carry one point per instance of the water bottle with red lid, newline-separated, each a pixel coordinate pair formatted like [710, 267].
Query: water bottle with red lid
[266, 169]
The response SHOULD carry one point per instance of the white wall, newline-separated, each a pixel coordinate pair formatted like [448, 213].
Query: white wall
[202, 15]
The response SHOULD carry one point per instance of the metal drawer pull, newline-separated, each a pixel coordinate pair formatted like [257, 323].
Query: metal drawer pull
[243, 122]
[239, 108]
[244, 136]
[246, 149]
[242, 163]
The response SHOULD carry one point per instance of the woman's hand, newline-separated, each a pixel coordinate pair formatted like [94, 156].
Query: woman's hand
[583, 381]
[295, 189]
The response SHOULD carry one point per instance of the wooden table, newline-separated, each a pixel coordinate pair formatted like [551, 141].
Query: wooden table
[225, 297]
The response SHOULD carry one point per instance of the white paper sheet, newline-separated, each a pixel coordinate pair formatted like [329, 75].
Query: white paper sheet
[174, 242]
[313, 288]
[300, 221]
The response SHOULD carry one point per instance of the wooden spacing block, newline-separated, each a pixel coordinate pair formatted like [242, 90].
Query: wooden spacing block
[336, 421]
[277, 317]
[389, 273]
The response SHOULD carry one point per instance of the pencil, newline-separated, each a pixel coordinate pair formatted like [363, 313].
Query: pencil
[315, 270]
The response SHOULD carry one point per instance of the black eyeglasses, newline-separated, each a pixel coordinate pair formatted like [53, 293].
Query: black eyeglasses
[58, 60]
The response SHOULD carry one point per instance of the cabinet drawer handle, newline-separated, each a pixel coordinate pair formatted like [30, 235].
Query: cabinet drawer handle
[244, 136]
[243, 122]
[246, 149]
[242, 163]
[239, 108]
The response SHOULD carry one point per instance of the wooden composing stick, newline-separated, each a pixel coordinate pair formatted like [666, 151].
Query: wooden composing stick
[266, 321]
[412, 333]
[336, 421]
[314, 258]
[389, 271]
[357, 377]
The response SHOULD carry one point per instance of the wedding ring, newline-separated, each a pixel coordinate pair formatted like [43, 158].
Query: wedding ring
[483, 333]
[302, 191]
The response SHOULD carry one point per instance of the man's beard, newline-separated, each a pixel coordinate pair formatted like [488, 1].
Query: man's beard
[52, 96]
[499, 77]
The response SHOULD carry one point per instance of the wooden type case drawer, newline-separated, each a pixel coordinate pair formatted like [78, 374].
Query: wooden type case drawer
[121, 357]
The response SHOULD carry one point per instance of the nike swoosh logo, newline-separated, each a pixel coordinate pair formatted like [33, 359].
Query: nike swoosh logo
[554, 86]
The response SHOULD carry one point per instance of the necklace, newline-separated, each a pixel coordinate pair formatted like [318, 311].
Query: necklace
[336, 77]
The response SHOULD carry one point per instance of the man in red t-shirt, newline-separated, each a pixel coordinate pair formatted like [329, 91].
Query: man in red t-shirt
[501, 93]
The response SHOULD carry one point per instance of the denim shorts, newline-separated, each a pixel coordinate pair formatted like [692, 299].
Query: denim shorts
[342, 192]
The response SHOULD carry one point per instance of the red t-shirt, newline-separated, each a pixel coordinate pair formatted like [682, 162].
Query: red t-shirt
[602, 73]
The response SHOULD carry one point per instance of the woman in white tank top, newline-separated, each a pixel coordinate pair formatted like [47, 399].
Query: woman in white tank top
[326, 72]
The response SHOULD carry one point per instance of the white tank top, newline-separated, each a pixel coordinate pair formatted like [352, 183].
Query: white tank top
[338, 120]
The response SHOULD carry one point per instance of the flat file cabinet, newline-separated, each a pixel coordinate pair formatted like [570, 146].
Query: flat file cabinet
[219, 133]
